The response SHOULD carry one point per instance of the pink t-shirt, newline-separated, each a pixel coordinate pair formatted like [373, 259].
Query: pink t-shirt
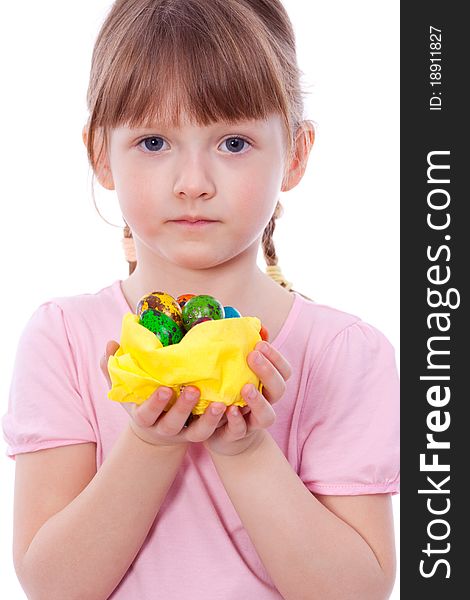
[337, 424]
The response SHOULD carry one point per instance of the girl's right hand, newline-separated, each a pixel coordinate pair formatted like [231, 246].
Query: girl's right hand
[155, 426]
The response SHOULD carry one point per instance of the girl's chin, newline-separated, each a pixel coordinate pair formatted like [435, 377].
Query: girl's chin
[200, 254]
[195, 260]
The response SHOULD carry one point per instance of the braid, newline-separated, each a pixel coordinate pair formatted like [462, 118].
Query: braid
[129, 248]
[272, 268]
[269, 251]
[267, 240]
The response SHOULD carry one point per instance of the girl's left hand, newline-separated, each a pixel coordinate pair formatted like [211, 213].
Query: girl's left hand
[243, 428]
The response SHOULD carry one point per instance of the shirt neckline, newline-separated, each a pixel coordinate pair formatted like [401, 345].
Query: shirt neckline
[276, 342]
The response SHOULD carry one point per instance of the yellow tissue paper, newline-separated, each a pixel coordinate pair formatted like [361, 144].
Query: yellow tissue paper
[211, 356]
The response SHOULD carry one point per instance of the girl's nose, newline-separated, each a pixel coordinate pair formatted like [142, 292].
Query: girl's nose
[193, 179]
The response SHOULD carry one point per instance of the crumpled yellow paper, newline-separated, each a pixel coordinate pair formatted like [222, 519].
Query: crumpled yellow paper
[211, 356]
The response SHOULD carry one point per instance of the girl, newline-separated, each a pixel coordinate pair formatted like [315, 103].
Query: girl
[196, 121]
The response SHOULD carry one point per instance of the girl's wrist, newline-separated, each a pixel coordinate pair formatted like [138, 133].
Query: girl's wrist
[155, 447]
[241, 448]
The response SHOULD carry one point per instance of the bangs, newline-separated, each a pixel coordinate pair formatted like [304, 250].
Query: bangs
[205, 61]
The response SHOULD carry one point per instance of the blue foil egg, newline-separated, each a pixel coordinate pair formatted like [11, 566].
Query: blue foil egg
[231, 313]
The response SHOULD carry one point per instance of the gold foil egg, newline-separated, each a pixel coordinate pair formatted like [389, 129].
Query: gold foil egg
[162, 302]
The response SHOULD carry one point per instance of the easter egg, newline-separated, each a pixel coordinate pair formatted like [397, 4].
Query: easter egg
[231, 313]
[201, 320]
[184, 298]
[163, 303]
[201, 306]
[166, 330]
[264, 333]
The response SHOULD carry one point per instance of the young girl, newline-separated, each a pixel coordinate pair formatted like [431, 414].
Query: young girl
[196, 121]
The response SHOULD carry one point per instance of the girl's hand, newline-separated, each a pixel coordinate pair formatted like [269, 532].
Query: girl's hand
[245, 431]
[151, 424]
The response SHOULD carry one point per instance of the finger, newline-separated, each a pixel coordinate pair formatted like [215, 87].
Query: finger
[237, 425]
[274, 384]
[207, 423]
[276, 358]
[149, 411]
[262, 413]
[244, 410]
[111, 347]
[222, 421]
[174, 420]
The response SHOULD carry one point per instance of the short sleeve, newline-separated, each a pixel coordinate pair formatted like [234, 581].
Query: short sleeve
[45, 409]
[349, 424]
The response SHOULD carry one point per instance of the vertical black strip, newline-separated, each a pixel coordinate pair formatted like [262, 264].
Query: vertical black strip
[435, 257]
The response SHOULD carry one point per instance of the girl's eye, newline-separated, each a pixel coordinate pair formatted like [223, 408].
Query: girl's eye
[153, 144]
[235, 144]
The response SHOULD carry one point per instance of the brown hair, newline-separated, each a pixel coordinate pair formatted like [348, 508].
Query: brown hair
[215, 60]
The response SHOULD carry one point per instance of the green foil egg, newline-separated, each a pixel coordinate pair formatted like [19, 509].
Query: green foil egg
[201, 306]
[166, 330]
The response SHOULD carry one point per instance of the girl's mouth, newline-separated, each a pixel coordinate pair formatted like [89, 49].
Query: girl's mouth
[194, 224]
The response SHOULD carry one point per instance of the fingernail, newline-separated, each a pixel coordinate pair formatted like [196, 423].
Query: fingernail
[190, 394]
[252, 392]
[217, 409]
[164, 394]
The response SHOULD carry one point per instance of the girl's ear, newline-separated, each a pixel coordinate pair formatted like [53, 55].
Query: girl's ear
[304, 140]
[102, 169]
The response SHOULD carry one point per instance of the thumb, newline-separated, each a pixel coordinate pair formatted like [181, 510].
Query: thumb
[111, 347]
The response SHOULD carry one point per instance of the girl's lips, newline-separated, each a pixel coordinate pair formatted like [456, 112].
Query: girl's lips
[194, 224]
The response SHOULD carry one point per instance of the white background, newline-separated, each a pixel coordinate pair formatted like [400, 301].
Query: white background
[338, 240]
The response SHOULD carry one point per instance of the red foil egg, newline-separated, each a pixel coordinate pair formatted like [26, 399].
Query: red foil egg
[264, 333]
[184, 298]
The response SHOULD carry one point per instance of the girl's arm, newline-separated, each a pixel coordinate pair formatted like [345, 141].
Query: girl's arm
[333, 548]
[76, 530]
[330, 548]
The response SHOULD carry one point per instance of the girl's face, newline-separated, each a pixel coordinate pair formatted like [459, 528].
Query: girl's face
[229, 173]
